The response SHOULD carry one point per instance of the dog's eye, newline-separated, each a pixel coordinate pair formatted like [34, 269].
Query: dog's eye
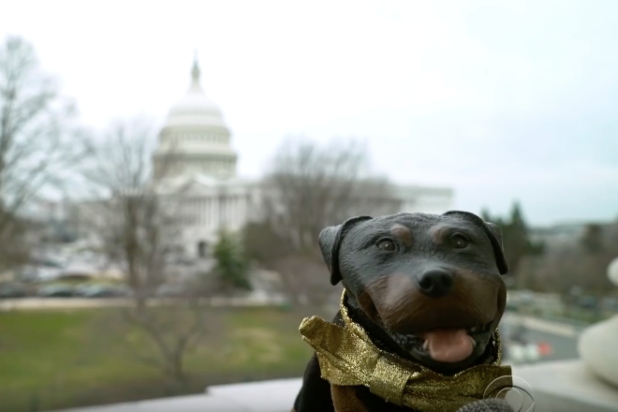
[459, 241]
[386, 245]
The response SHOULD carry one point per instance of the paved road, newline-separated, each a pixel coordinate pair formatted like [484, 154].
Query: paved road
[560, 337]
[562, 347]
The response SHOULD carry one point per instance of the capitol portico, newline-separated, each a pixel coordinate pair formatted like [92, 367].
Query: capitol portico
[195, 163]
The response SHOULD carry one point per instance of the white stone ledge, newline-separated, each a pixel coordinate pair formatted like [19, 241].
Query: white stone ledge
[564, 386]
[567, 386]
[266, 396]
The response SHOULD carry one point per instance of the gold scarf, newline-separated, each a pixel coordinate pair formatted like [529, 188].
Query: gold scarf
[348, 357]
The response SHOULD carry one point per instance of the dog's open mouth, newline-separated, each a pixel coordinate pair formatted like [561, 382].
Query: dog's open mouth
[443, 345]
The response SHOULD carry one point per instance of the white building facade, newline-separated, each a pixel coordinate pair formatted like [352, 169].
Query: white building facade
[196, 163]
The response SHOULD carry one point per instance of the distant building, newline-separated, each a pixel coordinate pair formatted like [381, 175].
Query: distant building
[564, 235]
[558, 236]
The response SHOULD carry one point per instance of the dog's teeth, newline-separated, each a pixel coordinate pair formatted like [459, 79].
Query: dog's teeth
[473, 341]
[426, 345]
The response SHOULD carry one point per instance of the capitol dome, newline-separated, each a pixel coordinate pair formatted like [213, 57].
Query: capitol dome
[195, 140]
[195, 108]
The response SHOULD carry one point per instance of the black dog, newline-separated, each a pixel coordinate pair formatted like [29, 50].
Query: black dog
[426, 288]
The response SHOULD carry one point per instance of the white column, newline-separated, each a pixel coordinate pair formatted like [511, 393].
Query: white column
[204, 206]
[208, 211]
[217, 212]
[235, 211]
[211, 212]
[231, 211]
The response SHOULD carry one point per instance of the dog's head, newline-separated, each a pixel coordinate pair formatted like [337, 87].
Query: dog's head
[431, 283]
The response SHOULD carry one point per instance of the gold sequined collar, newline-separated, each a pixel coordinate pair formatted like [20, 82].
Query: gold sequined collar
[348, 357]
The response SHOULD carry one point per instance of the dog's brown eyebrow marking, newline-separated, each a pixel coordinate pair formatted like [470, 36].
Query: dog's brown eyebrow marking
[441, 231]
[403, 233]
[438, 232]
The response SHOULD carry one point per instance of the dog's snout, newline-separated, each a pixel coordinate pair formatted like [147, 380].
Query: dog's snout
[435, 283]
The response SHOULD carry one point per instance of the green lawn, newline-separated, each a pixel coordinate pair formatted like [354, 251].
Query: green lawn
[59, 359]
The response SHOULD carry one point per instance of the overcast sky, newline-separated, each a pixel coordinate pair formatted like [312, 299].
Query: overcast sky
[499, 100]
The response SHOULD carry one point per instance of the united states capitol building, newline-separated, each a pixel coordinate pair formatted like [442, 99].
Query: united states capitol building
[196, 163]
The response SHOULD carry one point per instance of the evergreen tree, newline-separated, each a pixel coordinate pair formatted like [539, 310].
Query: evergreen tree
[592, 240]
[516, 237]
[486, 216]
[232, 266]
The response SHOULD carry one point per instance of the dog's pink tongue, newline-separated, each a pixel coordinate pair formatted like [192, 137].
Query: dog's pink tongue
[449, 345]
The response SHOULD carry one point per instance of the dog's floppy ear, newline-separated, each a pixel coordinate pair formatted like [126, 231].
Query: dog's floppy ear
[330, 239]
[497, 232]
[493, 233]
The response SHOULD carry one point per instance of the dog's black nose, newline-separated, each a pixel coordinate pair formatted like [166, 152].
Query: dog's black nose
[435, 283]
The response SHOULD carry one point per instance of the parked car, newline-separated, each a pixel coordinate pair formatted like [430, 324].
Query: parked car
[30, 273]
[588, 302]
[610, 304]
[518, 348]
[511, 307]
[173, 290]
[57, 291]
[46, 262]
[523, 353]
[102, 291]
[12, 290]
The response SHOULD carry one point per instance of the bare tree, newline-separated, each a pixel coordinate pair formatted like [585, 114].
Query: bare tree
[158, 336]
[305, 282]
[136, 226]
[131, 221]
[308, 187]
[37, 132]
